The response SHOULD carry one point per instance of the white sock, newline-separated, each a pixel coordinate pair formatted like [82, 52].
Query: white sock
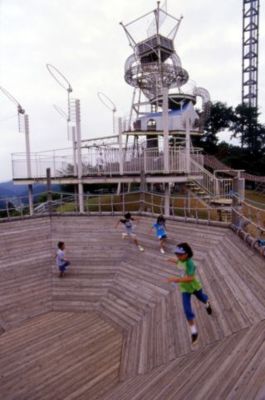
[193, 329]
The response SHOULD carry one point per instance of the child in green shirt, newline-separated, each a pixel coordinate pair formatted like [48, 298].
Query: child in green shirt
[189, 285]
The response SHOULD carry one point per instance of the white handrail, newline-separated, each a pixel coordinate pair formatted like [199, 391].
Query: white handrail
[216, 187]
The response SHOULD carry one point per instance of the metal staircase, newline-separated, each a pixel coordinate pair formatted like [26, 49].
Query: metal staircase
[210, 190]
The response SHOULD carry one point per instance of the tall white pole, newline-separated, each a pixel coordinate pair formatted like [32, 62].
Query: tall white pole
[166, 149]
[26, 131]
[26, 125]
[188, 143]
[120, 153]
[120, 148]
[165, 129]
[74, 150]
[79, 156]
[30, 189]
[113, 121]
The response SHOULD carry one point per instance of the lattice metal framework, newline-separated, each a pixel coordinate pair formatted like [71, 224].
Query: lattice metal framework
[250, 52]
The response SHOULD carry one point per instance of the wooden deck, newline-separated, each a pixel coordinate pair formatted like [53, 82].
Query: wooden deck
[117, 309]
[59, 356]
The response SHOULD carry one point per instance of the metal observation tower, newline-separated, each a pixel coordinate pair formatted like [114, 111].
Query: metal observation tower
[161, 84]
[153, 145]
[250, 52]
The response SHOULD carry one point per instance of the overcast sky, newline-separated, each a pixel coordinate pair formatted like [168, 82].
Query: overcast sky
[84, 40]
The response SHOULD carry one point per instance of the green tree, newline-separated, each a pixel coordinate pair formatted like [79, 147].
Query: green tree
[246, 127]
[42, 198]
[221, 117]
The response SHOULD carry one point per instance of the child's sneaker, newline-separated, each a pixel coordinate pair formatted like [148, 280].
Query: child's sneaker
[162, 251]
[124, 235]
[140, 248]
[209, 308]
[194, 338]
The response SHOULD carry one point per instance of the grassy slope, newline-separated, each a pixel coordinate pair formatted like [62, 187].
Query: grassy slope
[258, 198]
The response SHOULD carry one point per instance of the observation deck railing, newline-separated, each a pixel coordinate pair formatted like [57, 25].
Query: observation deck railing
[250, 226]
[112, 161]
[143, 202]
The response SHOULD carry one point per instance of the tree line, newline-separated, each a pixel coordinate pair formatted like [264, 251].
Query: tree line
[242, 123]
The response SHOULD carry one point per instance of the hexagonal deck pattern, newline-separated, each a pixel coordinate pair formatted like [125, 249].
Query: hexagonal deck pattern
[127, 289]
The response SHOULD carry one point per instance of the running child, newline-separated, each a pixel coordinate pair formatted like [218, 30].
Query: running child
[161, 233]
[61, 262]
[127, 221]
[189, 285]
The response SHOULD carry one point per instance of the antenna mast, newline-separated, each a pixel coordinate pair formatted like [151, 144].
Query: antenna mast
[250, 52]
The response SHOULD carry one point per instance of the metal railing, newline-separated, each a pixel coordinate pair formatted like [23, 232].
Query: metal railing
[249, 225]
[107, 161]
[140, 202]
[215, 187]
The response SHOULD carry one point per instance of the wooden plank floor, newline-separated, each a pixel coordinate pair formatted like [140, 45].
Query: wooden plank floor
[25, 270]
[230, 369]
[59, 356]
[127, 289]
[95, 258]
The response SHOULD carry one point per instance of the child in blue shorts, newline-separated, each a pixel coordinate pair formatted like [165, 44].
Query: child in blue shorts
[189, 285]
[161, 233]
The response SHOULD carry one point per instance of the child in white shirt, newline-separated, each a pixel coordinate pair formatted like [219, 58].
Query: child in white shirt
[61, 262]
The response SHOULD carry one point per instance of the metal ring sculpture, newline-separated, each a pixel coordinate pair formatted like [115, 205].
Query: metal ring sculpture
[13, 99]
[103, 96]
[59, 77]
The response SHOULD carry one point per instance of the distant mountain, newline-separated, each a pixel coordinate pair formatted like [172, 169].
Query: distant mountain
[9, 190]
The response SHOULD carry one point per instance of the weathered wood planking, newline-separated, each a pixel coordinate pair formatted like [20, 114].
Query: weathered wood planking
[128, 290]
[95, 258]
[25, 270]
[60, 356]
[233, 369]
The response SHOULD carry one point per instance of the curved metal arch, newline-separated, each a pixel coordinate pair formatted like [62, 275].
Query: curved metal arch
[13, 99]
[56, 74]
[101, 97]
[61, 112]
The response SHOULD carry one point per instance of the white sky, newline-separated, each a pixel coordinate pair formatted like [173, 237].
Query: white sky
[84, 40]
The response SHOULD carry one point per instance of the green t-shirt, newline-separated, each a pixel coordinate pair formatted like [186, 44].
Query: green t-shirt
[189, 269]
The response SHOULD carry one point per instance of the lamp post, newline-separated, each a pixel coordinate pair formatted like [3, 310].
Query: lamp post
[73, 119]
[21, 112]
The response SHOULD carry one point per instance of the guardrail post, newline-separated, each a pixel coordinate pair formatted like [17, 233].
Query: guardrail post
[239, 186]
[112, 205]
[166, 201]
[99, 204]
[120, 148]
[123, 203]
[142, 191]
[49, 191]
[30, 194]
